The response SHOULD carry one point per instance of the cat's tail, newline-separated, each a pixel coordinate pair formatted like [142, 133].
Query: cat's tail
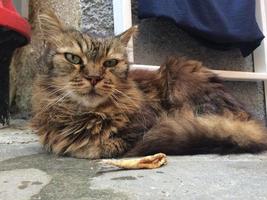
[204, 134]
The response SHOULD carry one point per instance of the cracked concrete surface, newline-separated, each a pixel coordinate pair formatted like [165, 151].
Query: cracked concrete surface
[22, 183]
[27, 172]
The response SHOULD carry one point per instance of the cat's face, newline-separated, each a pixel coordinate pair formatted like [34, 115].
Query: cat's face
[86, 69]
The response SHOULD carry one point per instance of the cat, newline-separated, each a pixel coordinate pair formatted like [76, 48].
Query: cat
[87, 104]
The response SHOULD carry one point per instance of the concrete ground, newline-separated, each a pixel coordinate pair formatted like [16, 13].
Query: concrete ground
[27, 172]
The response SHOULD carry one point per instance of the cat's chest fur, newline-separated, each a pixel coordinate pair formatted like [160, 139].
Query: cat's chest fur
[99, 124]
[94, 134]
[110, 130]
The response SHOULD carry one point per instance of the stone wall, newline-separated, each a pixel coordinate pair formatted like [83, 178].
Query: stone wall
[25, 60]
[157, 39]
[97, 17]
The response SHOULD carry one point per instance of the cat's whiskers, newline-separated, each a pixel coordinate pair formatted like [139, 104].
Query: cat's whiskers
[119, 104]
[131, 99]
[122, 93]
[134, 98]
[57, 100]
[55, 91]
[125, 95]
[122, 111]
[75, 126]
[63, 97]
[143, 122]
[116, 101]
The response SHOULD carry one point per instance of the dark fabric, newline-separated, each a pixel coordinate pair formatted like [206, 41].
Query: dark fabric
[9, 41]
[221, 24]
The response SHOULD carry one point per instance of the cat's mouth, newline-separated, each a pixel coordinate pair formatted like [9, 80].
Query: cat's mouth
[93, 93]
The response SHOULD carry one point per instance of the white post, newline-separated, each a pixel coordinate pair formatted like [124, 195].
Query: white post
[122, 13]
[22, 7]
[260, 54]
[25, 8]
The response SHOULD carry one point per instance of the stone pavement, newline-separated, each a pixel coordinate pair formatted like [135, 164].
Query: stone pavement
[27, 172]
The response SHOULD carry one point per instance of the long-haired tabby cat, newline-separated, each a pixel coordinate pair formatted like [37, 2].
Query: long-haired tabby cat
[87, 104]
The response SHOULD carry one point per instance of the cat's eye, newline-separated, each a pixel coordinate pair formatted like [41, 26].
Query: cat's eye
[110, 63]
[74, 59]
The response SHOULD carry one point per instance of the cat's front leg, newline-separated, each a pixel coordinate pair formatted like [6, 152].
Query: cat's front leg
[101, 148]
[94, 127]
[88, 152]
[113, 148]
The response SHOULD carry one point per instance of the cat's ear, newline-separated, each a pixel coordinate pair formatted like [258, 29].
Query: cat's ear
[50, 25]
[126, 36]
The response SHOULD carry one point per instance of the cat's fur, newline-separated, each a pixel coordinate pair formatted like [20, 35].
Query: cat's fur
[182, 108]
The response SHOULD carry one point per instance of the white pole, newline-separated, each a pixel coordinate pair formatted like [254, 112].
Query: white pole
[122, 13]
[260, 54]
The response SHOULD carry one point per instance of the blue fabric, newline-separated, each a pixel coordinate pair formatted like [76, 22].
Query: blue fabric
[221, 24]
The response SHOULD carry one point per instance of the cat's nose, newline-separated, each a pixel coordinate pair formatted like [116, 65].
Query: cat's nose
[94, 79]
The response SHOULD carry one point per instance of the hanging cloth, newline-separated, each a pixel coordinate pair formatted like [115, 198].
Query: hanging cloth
[220, 24]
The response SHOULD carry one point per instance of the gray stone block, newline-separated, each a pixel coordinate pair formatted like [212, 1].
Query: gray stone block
[97, 17]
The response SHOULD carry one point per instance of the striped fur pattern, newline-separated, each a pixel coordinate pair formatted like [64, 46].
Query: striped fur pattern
[86, 103]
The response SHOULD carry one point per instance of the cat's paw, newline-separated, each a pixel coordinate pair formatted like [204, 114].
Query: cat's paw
[94, 127]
